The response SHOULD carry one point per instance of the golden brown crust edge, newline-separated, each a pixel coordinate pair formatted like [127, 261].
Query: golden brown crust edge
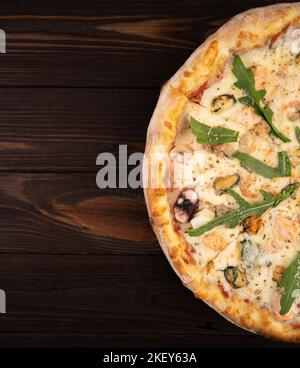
[245, 31]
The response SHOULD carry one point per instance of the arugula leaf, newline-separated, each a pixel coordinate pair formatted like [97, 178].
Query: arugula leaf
[245, 210]
[209, 135]
[291, 285]
[254, 98]
[283, 168]
[297, 132]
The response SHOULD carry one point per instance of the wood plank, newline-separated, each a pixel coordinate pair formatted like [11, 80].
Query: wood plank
[82, 299]
[100, 44]
[68, 214]
[85, 294]
[132, 7]
[81, 266]
[63, 129]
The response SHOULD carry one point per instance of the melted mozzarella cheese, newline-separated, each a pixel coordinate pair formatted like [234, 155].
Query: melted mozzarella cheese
[277, 241]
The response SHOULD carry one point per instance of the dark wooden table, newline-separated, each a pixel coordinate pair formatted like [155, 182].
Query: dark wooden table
[81, 266]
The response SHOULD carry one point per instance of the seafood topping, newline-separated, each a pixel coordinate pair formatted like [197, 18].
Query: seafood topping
[186, 206]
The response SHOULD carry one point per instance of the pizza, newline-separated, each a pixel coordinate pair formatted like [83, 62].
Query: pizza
[222, 171]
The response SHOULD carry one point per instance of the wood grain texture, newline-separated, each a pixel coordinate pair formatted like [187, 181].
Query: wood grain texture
[68, 214]
[117, 44]
[81, 266]
[64, 129]
[80, 301]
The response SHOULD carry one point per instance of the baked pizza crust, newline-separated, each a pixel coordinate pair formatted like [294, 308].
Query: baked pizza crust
[245, 31]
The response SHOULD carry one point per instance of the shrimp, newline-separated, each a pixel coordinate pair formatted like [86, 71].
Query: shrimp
[285, 71]
[261, 75]
[214, 241]
[246, 116]
[269, 188]
[250, 140]
[292, 109]
[292, 105]
[257, 142]
[248, 187]
[285, 230]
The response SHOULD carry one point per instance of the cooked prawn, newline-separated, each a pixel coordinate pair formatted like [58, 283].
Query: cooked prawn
[248, 188]
[246, 116]
[214, 241]
[285, 230]
[257, 142]
[261, 75]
